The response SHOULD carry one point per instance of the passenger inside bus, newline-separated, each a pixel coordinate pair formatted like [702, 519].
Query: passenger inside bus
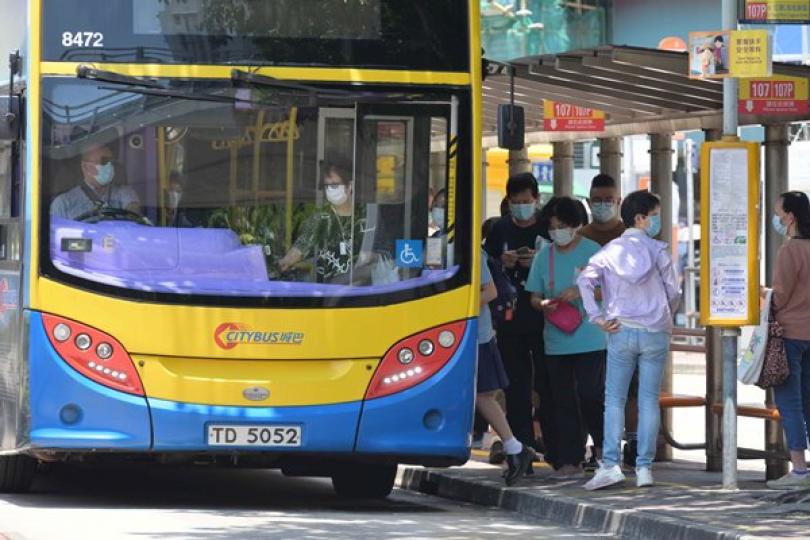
[97, 191]
[332, 237]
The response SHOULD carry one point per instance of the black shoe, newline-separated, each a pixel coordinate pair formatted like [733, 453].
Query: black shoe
[497, 455]
[629, 453]
[539, 445]
[591, 465]
[518, 464]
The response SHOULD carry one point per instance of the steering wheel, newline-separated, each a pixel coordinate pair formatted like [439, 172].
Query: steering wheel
[107, 213]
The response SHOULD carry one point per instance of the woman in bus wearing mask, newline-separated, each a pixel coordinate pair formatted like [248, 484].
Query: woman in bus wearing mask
[575, 354]
[333, 235]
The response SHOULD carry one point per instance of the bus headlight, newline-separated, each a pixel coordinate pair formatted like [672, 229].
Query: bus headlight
[117, 371]
[405, 356]
[391, 377]
[104, 351]
[83, 342]
[447, 339]
[61, 332]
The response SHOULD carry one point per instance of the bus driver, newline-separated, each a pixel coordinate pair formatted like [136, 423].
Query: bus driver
[96, 190]
[334, 234]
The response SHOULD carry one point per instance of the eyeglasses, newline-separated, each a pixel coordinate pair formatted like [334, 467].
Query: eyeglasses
[597, 200]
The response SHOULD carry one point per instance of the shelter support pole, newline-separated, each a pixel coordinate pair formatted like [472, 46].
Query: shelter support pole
[519, 161]
[714, 379]
[661, 183]
[776, 183]
[610, 158]
[563, 168]
[730, 335]
[714, 394]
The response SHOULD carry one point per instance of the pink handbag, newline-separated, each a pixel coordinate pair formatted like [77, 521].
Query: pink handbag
[566, 317]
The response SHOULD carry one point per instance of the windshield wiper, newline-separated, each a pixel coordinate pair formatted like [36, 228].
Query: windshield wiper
[244, 77]
[239, 76]
[163, 92]
[87, 72]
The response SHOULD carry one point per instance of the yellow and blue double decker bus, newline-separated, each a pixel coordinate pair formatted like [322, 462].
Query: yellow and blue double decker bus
[216, 236]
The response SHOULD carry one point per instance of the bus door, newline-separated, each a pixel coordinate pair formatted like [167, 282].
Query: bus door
[11, 234]
[401, 166]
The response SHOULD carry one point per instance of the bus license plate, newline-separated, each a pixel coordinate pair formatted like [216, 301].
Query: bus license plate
[260, 436]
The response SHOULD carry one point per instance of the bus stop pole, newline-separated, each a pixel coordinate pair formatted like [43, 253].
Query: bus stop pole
[730, 335]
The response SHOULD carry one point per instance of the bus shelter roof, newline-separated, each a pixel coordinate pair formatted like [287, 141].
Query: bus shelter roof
[640, 90]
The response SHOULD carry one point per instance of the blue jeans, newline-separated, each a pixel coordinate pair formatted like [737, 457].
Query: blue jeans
[627, 348]
[793, 397]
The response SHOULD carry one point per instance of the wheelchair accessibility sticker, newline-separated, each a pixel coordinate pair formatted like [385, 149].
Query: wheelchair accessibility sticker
[410, 253]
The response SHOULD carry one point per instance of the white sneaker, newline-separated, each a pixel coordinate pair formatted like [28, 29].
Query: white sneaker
[604, 477]
[644, 477]
[790, 481]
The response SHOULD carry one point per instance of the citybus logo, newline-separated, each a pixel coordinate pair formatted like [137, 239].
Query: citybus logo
[228, 335]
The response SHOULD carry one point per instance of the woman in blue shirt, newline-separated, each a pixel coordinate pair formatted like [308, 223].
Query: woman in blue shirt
[575, 362]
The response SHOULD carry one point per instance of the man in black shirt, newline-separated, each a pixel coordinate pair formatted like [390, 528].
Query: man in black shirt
[514, 240]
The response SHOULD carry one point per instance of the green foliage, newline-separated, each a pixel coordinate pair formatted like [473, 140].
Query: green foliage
[262, 225]
[290, 17]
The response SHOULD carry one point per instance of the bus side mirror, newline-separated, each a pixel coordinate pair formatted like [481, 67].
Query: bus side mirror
[511, 128]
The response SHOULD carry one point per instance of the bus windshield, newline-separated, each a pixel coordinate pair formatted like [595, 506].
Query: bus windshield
[210, 190]
[417, 34]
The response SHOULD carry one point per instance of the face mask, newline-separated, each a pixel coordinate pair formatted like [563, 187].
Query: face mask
[336, 195]
[522, 212]
[105, 173]
[603, 212]
[174, 198]
[562, 237]
[438, 217]
[778, 226]
[654, 227]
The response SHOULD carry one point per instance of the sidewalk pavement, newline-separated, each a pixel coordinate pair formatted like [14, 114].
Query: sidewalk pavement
[686, 503]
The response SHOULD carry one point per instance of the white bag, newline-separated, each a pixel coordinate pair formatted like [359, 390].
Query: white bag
[753, 356]
[384, 270]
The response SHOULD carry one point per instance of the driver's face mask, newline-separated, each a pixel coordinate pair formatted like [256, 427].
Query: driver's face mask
[174, 198]
[105, 173]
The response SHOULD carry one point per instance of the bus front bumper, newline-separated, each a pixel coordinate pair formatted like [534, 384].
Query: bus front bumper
[69, 412]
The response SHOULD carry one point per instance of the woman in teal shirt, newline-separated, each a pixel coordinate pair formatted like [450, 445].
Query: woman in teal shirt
[576, 361]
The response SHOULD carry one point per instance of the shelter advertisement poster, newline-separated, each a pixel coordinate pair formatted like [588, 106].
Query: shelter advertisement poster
[774, 96]
[721, 54]
[775, 11]
[730, 234]
[566, 117]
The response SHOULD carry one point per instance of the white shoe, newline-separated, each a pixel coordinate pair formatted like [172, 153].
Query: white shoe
[790, 481]
[604, 477]
[644, 477]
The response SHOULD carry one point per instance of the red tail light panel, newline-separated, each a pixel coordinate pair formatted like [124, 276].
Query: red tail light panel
[400, 370]
[102, 359]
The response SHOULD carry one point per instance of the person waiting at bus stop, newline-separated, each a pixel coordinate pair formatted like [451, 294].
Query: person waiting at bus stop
[639, 287]
[491, 378]
[334, 234]
[605, 200]
[513, 240]
[575, 358]
[791, 309]
[96, 190]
